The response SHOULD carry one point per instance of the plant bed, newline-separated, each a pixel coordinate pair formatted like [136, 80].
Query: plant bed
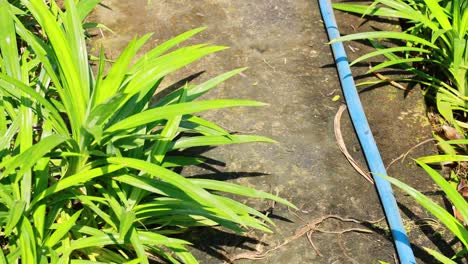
[87, 158]
[290, 67]
[432, 48]
[285, 46]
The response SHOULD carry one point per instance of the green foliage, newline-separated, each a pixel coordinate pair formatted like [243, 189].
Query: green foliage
[437, 37]
[434, 48]
[458, 201]
[85, 160]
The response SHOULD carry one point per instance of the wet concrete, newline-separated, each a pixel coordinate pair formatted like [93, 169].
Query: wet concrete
[283, 43]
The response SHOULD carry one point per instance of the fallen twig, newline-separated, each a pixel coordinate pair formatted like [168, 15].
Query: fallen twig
[307, 230]
[269, 65]
[393, 83]
[404, 155]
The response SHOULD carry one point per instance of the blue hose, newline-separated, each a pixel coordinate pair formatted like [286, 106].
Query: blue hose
[371, 152]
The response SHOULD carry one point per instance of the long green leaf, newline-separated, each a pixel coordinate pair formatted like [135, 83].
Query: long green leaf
[239, 190]
[198, 194]
[165, 46]
[202, 126]
[158, 68]
[198, 90]
[443, 259]
[75, 180]
[386, 35]
[391, 63]
[117, 73]
[5, 140]
[153, 238]
[179, 161]
[16, 213]
[68, 45]
[170, 111]
[52, 112]
[168, 133]
[27, 242]
[452, 194]
[8, 45]
[62, 230]
[74, 33]
[442, 158]
[98, 212]
[439, 212]
[85, 7]
[439, 13]
[143, 183]
[199, 141]
[388, 50]
[138, 246]
[375, 11]
[127, 217]
[28, 158]
[149, 238]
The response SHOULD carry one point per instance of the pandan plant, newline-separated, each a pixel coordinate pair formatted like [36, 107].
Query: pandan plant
[435, 38]
[87, 158]
[433, 47]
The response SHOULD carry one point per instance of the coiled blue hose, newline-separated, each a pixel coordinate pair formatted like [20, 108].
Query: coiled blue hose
[371, 152]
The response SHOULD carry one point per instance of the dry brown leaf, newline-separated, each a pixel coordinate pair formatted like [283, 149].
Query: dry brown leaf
[344, 150]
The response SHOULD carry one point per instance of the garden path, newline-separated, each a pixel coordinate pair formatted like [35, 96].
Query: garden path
[284, 44]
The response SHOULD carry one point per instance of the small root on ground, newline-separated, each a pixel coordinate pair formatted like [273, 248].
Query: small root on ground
[306, 230]
[404, 155]
[384, 78]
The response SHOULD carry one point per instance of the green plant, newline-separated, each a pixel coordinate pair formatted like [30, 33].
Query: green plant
[85, 160]
[436, 38]
[434, 49]
[458, 201]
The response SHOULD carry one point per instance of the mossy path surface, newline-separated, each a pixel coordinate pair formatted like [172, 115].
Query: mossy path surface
[284, 44]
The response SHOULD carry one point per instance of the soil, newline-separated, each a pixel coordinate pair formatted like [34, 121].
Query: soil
[284, 44]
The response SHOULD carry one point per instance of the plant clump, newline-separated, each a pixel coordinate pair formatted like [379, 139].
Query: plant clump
[86, 159]
[433, 48]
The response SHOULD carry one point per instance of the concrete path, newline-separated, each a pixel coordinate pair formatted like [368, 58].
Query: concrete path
[283, 43]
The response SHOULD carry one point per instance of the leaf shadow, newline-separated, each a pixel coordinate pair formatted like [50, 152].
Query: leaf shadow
[175, 86]
[216, 243]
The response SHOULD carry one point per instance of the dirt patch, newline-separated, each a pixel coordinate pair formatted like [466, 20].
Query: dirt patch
[284, 44]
